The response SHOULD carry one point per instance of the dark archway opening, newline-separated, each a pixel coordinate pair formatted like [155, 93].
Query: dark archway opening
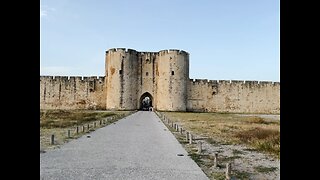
[146, 102]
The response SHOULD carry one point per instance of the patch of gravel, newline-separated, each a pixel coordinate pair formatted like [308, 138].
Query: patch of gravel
[244, 160]
[247, 162]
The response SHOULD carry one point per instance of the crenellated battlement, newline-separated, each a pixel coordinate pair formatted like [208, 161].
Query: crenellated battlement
[173, 51]
[122, 50]
[233, 82]
[213, 82]
[234, 96]
[73, 78]
[161, 52]
[251, 82]
[45, 77]
[142, 53]
[61, 78]
[203, 81]
[151, 53]
[266, 82]
[237, 82]
[165, 76]
[224, 81]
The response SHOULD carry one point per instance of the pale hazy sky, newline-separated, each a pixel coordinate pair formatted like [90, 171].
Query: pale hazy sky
[226, 39]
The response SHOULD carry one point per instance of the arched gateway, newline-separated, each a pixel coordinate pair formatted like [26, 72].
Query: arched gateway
[145, 101]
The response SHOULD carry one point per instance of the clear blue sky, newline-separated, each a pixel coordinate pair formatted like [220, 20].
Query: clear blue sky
[226, 39]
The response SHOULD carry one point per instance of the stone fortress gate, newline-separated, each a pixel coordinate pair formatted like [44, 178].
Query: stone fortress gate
[139, 80]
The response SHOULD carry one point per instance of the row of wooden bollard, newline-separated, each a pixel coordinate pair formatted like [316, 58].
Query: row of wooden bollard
[189, 138]
[101, 122]
[177, 128]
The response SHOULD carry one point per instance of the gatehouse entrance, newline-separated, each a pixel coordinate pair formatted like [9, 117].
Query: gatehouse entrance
[146, 102]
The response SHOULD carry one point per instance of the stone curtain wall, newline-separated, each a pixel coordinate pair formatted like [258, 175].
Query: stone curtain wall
[233, 96]
[164, 75]
[62, 92]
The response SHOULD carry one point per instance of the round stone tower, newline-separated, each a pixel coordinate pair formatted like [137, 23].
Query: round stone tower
[121, 79]
[172, 78]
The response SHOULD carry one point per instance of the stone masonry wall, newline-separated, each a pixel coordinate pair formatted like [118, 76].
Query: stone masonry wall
[164, 76]
[172, 78]
[147, 76]
[62, 92]
[233, 96]
[121, 79]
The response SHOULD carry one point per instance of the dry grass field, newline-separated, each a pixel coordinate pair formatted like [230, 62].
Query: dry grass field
[58, 122]
[259, 133]
[250, 142]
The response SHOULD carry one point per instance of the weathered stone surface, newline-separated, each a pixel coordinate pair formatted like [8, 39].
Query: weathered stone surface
[237, 96]
[162, 76]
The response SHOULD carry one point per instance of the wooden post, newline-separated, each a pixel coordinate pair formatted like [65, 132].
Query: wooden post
[82, 128]
[190, 138]
[181, 130]
[77, 131]
[228, 171]
[69, 133]
[199, 147]
[215, 161]
[187, 135]
[52, 139]
[100, 122]
[88, 127]
[94, 124]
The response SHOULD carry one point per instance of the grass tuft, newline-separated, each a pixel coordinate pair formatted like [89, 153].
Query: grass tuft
[241, 175]
[265, 140]
[59, 121]
[219, 175]
[236, 152]
[67, 118]
[196, 157]
[263, 169]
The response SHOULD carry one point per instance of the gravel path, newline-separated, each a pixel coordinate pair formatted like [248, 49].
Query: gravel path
[136, 147]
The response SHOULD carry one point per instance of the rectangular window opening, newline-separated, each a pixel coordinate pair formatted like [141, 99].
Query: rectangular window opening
[172, 72]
